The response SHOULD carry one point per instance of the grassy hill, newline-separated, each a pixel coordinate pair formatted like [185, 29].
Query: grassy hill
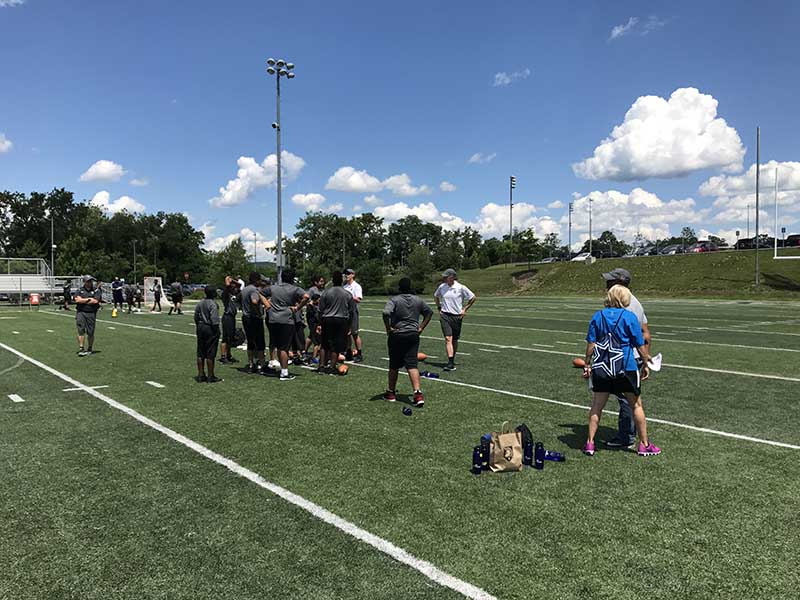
[717, 274]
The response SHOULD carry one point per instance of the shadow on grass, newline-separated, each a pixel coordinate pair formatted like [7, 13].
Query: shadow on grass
[401, 399]
[781, 282]
[577, 438]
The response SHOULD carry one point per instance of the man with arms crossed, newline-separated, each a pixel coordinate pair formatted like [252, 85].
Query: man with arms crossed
[355, 290]
[401, 318]
[285, 299]
[450, 297]
[626, 436]
[87, 303]
[253, 306]
[336, 306]
[312, 315]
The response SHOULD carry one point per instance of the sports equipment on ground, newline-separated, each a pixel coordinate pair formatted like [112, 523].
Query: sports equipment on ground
[342, 369]
[407, 411]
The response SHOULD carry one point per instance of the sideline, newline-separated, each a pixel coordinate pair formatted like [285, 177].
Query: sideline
[427, 569]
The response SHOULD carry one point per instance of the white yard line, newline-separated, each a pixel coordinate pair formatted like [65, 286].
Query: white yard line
[15, 398]
[736, 436]
[155, 384]
[399, 554]
[112, 327]
[15, 332]
[80, 389]
[49, 331]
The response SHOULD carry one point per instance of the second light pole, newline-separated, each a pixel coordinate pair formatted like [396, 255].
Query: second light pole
[279, 68]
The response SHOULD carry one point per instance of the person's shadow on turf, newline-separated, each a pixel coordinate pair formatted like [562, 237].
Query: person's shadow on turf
[401, 398]
[577, 438]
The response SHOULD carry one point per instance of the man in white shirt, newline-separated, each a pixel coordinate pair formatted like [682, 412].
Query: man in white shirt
[355, 291]
[450, 297]
[626, 434]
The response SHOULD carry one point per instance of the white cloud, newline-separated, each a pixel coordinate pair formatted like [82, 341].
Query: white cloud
[338, 207]
[493, 220]
[480, 159]
[103, 170]
[5, 144]
[619, 30]
[636, 25]
[347, 179]
[252, 176]
[373, 200]
[208, 229]
[358, 208]
[426, 211]
[10, 3]
[666, 138]
[102, 200]
[556, 204]
[309, 202]
[503, 79]
[446, 186]
[140, 181]
[400, 185]
[247, 236]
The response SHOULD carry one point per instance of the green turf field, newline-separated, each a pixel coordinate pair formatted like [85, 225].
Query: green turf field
[96, 504]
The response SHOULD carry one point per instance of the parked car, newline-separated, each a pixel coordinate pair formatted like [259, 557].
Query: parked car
[702, 247]
[672, 250]
[549, 260]
[650, 250]
[792, 240]
[581, 257]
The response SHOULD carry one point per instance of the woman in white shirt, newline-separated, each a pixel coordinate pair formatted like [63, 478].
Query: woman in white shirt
[450, 299]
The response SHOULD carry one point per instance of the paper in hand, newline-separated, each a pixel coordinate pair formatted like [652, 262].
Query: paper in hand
[655, 363]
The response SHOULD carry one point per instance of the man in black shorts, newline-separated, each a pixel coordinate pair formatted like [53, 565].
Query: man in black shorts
[206, 320]
[176, 289]
[336, 307]
[285, 299]
[116, 292]
[87, 303]
[230, 300]
[314, 340]
[253, 307]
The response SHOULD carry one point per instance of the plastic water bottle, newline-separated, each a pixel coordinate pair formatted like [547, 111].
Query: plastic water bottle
[527, 453]
[538, 456]
[477, 460]
[485, 441]
[554, 456]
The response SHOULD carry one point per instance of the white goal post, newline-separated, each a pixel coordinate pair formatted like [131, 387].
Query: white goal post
[149, 296]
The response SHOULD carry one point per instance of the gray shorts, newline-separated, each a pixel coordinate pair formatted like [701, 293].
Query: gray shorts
[451, 325]
[354, 323]
[85, 322]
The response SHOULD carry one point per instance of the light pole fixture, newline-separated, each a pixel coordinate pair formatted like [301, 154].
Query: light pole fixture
[569, 238]
[590, 227]
[279, 68]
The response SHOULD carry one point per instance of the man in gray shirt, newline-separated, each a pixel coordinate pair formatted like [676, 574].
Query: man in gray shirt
[626, 435]
[336, 306]
[312, 314]
[253, 305]
[206, 320]
[285, 299]
[401, 317]
[87, 303]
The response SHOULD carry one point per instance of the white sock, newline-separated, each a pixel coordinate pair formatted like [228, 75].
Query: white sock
[284, 372]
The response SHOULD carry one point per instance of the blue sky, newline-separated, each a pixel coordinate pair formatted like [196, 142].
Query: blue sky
[175, 93]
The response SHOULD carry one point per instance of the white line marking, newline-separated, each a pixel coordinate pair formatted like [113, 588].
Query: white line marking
[112, 327]
[155, 384]
[15, 332]
[568, 343]
[487, 350]
[50, 331]
[399, 554]
[15, 398]
[12, 367]
[5, 318]
[650, 419]
[384, 358]
[79, 389]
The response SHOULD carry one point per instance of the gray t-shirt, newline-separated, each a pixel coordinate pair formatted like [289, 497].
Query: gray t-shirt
[403, 312]
[250, 310]
[336, 302]
[636, 308]
[206, 312]
[282, 296]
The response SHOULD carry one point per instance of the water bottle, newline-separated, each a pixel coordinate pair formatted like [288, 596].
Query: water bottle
[485, 441]
[430, 375]
[477, 460]
[527, 453]
[538, 456]
[554, 456]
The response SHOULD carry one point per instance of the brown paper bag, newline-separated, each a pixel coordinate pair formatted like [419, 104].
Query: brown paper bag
[505, 450]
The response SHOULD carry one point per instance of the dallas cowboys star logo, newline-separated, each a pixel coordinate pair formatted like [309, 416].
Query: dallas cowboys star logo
[609, 356]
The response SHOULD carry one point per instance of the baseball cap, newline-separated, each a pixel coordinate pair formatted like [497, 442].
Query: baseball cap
[88, 278]
[449, 273]
[349, 272]
[618, 275]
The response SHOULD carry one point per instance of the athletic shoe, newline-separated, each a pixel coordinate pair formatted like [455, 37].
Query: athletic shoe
[418, 399]
[81, 352]
[287, 377]
[89, 352]
[223, 361]
[617, 443]
[313, 361]
[180, 312]
[390, 396]
[215, 379]
[649, 450]
[298, 362]
[231, 359]
[588, 449]
[358, 358]
[254, 369]
[201, 379]
[449, 367]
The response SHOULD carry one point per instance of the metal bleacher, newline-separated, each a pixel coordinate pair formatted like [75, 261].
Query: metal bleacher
[20, 277]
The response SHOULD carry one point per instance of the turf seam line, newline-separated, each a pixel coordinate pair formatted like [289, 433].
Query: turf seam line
[429, 570]
[737, 436]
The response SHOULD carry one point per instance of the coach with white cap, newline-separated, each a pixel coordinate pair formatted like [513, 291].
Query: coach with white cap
[626, 435]
[450, 297]
[87, 303]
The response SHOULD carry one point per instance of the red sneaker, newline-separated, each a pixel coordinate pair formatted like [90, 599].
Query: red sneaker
[418, 399]
[390, 396]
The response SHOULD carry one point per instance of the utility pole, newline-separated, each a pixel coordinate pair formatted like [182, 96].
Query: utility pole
[569, 242]
[758, 170]
[590, 227]
[512, 183]
[134, 262]
[748, 221]
[255, 251]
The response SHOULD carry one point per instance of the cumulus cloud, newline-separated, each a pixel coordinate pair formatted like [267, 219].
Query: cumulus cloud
[666, 138]
[5, 144]
[503, 79]
[373, 200]
[103, 170]
[102, 200]
[400, 185]
[493, 220]
[247, 236]
[335, 208]
[619, 30]
[426, 211]
[253, 175]
[10, 3]
[556, 204]
[446, 186]
[347, 179]
[481, 159]
[309, 202]
[140, 181]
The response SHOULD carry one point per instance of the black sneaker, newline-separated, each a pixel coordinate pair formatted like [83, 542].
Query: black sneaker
[618, 443]
[88, 352]
[358, 358]
[449, 367]
[223, 361]
[287, 377]
[230, 359]
[81, 352]
[201, 378]
[214, 379]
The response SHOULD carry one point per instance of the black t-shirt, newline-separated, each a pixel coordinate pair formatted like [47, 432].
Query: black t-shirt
[84, 293]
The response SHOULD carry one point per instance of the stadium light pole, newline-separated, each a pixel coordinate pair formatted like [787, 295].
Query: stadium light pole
[52, 256]
[569, 238]
[134, 262]
[279, 68]
[512, 183]
[758, 169]
[590, 226]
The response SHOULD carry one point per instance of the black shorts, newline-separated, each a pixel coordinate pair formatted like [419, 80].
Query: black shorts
[228, 329]
[207, 341]
[629, 383]
[316, 338]
[281, 336]
[334, 334]
[177, 298]
[299, 342]
[117, 294]
[86, 322]
[254, 330]
[451, 325]
[403, 349]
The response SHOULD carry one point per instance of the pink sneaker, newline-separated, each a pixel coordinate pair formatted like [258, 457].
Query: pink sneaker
[649, 450]
[588, 449]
